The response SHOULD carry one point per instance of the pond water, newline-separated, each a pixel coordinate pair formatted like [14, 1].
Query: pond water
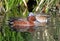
[51, 32]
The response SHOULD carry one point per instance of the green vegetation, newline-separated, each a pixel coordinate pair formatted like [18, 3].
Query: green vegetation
[18, 8]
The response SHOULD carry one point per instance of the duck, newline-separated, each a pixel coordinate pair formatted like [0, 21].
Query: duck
[30, 24]
[23, 25]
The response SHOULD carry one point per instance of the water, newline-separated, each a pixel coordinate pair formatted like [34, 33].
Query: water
[50, 32]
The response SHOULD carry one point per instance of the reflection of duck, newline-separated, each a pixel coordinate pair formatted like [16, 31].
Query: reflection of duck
[22, 24]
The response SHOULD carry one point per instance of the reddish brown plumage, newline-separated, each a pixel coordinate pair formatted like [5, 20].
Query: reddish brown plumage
[24, 24]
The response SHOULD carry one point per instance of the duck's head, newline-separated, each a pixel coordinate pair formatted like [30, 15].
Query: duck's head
[31, 17]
